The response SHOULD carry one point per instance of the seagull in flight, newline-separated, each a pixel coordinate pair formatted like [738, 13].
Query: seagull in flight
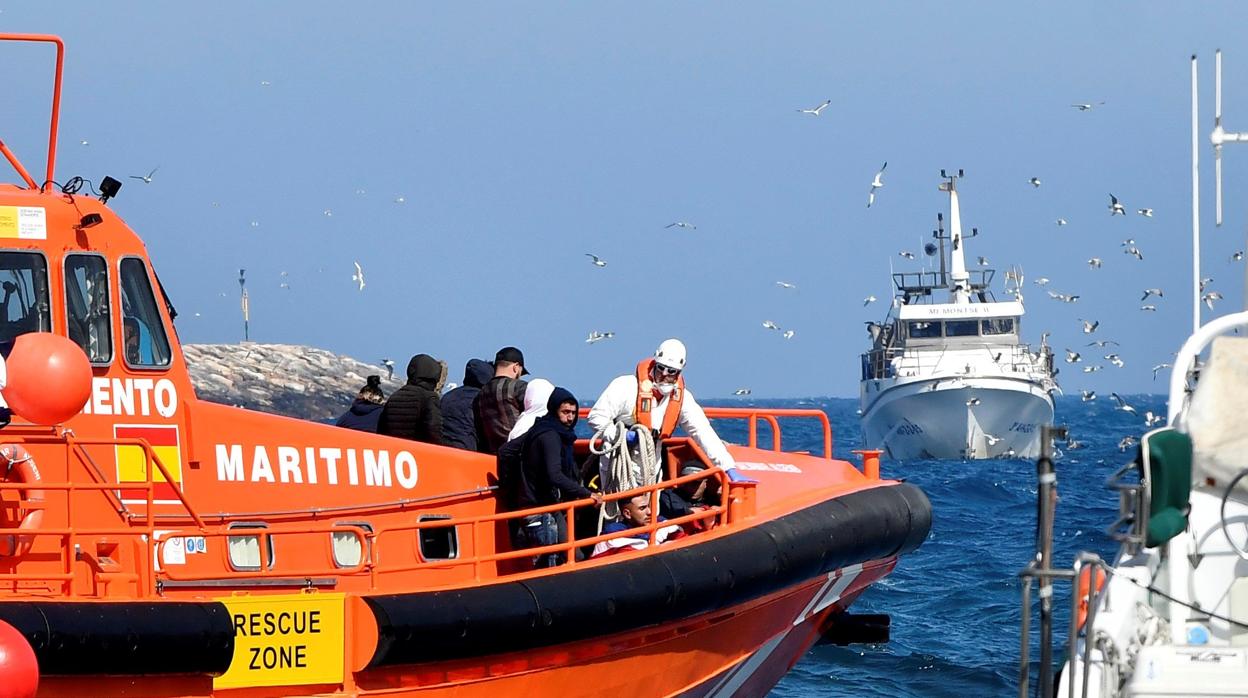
[906, 254]
[1210, 297]
[1205, 282]
[1060, 222]
[596, 336]
[681, 224]
[597, 261]
[983, 261]
[876, 184]
[1148, 308]
[1095, 263]
[1041, 281]
[785, 284]
[358, 276]
[1035, 182]
[817, 110]
[972, 402]
[388, 364]
[768, 324]
[1114, 359]
[868, 301]
[1151, 419]
[1090, 327]
[1159, 367]
[1116, 208]
[742, 391]
[788, 334]
[1122, 404]
[1063, 297]
[1151, 292]
[1102, 343]
[1088, 395]
[1146, 212]
[1238, 256]
[1092, 369]
[1072, 356]
[1087, 106]
[1127, 442]
[1134, 252]
[147, 178]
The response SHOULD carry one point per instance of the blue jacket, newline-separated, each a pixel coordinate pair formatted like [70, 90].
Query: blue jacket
[458, 426]
[362, 416]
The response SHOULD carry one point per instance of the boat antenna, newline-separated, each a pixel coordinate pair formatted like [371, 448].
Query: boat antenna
[242, 287]
[1218, 137]
[939, 234]
[959, 278]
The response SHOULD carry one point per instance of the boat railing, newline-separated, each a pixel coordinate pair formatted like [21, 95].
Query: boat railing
[911, 362]
[72, 534]
[771, 416]
[1131, 526]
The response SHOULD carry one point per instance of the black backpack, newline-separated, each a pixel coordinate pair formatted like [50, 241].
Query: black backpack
[511, 470]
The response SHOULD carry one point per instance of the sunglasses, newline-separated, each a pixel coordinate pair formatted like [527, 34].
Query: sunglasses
[665, 371]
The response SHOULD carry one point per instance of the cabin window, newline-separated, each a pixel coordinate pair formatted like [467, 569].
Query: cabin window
[438, 542]
[998, 325]
[346, 544]
[245, 549]
[26, 308]
[923, 329]
[146, 344]
[86, 306]
[961, 328]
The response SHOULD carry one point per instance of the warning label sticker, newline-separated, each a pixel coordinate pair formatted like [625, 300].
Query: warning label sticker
[286, 640]
[24, 222]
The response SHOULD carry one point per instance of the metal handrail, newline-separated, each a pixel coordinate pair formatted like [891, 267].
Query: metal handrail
[56, 108]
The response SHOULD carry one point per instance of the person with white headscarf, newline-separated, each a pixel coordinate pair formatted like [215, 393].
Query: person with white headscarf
[535, 397]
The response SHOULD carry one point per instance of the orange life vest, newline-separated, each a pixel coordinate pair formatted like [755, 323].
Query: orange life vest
[646, 400]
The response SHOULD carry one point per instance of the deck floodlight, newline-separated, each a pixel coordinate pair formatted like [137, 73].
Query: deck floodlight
[108, 189]
[90, 220]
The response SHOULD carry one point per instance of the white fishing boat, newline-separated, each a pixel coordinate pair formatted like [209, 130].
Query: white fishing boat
[948, 375]
[1169, 615]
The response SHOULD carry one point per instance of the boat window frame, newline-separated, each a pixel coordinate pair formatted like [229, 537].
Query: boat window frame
[421, 541]
[164, 330]
[971, 322]
[940, 327]
[983, 326]
[366, 551]
[108, 292]
[252, 525]
[47, 272]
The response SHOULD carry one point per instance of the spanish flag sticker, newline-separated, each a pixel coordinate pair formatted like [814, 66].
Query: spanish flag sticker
[132, 465]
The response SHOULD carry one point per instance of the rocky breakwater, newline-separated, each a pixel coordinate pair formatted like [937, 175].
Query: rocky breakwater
[285, 379]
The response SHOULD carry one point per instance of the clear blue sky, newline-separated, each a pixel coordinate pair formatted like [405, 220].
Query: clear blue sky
[522, 136]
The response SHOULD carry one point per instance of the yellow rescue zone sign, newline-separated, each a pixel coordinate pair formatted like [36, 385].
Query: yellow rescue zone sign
[287, 640]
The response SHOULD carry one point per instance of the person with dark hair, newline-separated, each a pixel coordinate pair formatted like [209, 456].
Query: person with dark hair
[414, 411]
[690, 497]
[364, 412]
[548, 475]
[459, 427]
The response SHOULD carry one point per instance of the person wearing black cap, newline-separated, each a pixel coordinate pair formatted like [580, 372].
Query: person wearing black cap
[500, 402]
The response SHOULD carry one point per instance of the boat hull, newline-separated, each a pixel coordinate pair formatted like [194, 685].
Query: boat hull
[957, 418]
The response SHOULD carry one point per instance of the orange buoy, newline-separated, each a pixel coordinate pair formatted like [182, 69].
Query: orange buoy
[1085, 592]
[18, 664]
[49, 378]
[16, 465]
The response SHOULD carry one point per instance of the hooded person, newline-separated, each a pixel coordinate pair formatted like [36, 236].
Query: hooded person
[366, 410]
[549, 476]
[459, 428]
[413, 411]
[535, 397]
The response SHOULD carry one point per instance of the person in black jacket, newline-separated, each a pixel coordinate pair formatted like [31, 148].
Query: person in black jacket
[458, 425]
[413, 411]
[549, 476]
[366, 409]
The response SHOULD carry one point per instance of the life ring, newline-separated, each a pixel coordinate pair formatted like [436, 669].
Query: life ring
[1085, 591]
[18, 466]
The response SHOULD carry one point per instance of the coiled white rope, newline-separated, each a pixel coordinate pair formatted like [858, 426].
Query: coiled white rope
[623, 471]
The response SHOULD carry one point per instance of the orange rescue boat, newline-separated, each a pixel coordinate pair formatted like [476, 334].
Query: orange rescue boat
[157, 545]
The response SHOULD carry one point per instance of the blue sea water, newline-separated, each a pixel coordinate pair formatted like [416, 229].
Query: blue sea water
[955, 602]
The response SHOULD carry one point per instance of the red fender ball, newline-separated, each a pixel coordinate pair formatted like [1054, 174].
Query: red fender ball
[18, 664]
[49, 378]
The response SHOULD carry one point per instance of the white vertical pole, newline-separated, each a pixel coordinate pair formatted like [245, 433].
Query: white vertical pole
[1195, 205]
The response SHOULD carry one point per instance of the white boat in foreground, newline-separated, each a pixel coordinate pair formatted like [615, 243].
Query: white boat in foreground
[952, 378]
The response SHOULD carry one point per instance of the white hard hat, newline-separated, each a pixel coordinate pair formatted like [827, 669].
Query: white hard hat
[671, 353]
